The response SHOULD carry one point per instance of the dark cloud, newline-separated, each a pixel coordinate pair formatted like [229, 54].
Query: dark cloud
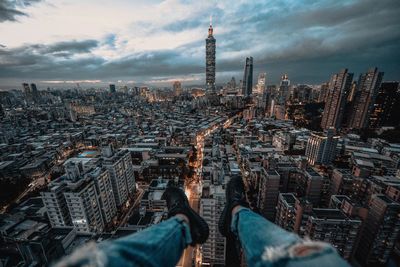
[309, 40]
[11, 9]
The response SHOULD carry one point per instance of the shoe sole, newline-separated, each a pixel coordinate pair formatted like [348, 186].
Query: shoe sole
[199, 230]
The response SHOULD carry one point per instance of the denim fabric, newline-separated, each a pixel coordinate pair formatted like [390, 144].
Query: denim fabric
[266, 245]
[158, 245]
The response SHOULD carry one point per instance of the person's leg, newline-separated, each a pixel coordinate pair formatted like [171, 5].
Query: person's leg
[158, 245]
[266, 244]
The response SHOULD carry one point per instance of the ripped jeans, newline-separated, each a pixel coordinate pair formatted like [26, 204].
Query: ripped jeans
[265, 244]
[159, 245]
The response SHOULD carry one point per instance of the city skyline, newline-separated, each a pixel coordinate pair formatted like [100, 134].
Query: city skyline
[139, 133]
[165, 41]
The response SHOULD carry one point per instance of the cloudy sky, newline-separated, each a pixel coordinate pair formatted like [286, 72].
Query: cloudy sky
[156, 42]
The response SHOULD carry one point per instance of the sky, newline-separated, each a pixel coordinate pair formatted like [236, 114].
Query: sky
[63, 42]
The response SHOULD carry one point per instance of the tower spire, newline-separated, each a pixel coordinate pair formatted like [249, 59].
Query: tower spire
[210, 29]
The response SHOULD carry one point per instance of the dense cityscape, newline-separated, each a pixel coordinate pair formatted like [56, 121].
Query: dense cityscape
[81, 165]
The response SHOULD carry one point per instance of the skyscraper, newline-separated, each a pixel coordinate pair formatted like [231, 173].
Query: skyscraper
[283, 89]
[380, 232]
[261, 83]
[387, 101]
[210, 60]
[34, 89]
[247, 84]
[339, 87]
[122, 177]
[27, 89]
[211, 207]
[364, 100]
[1, 111]
[84, 206]
[177, 88]
[112, 88]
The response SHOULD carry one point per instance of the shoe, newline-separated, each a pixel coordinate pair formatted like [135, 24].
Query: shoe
[177, 202]
[235, 195]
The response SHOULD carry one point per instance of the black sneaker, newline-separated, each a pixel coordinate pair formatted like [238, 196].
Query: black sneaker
[235, 195]
[177, 202]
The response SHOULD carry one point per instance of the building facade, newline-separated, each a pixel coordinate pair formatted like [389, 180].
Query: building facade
[210, 60]
[247, 83]
[364, 100]
[338, 90]
[387, 101]
[211, 207]
[321, 147]
[380, 232]
[336, 228]
[268, 193]
[120, 167]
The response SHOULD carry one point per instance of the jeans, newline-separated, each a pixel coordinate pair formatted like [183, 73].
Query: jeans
[265, 244]
[159, 245]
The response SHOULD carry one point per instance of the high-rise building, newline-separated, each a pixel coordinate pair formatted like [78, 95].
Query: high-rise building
[247, 83]
[335, 227]
[285, 211]
[303, 208]
[102, 181]
[82, 198]
[380, 231]
[211, 207]
[261, 83]
[268, 193]
[112, 88]
[232, 84]
[121, 172]
[1, 110]
[210, 60]
[364, 100]
[84, 206]
[177, 88]
[34, 90]
[321, 147]
[386, 104]
[310, 185]
[27, 89]
[342, 182]
[352, 91]
[336, 99]
[323, 92]
[283, 93]
[56, 206]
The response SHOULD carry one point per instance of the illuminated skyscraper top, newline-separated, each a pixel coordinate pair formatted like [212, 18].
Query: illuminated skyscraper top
[210, 60]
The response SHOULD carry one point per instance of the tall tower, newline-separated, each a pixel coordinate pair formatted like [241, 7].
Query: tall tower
[247, 84]
[338, 90]
[177, 88]
[387, 101]
[364, 100]
[284, 89]
[210, 60]
[261, 83]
